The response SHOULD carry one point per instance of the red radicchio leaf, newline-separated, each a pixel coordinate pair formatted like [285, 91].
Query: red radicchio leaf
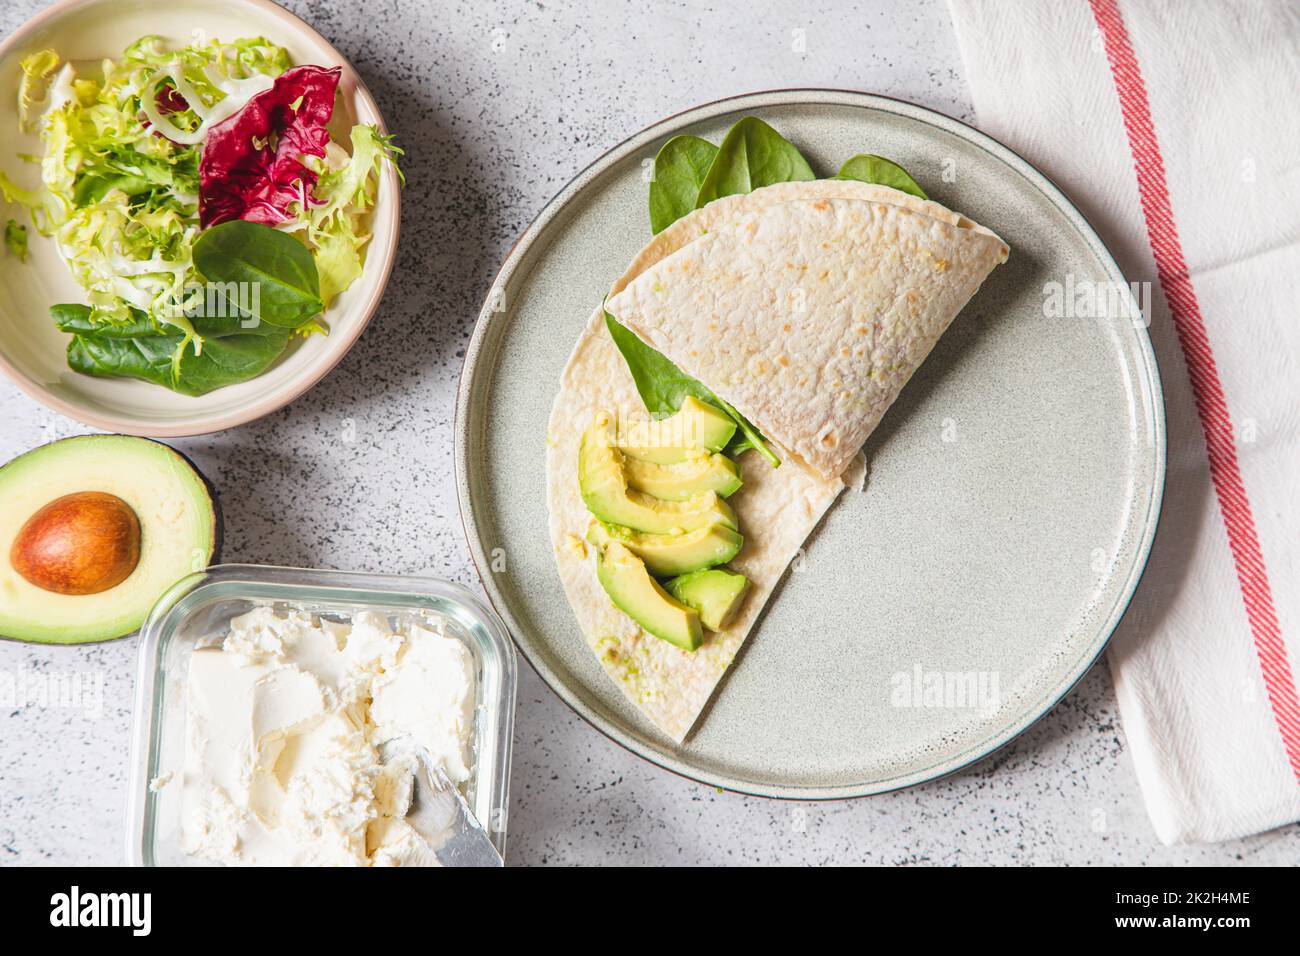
[170, 101]
[250, 168]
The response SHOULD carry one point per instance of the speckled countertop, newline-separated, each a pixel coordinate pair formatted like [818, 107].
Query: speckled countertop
[498, 106]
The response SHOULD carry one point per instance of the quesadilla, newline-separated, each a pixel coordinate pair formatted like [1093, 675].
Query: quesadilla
[810, 315]
[804, 307]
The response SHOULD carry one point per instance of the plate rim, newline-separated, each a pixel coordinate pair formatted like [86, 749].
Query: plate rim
[765, 99]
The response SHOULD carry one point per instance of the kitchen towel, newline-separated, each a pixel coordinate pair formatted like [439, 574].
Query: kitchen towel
[1173, 126]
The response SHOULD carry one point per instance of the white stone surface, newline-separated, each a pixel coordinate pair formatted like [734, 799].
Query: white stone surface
[498, 106]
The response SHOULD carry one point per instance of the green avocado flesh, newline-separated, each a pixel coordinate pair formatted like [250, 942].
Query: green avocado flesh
[177, 534]
[677, 482]
[695, 429]
[634, 592]
[606, 494]
[666, 555]
[715, 594]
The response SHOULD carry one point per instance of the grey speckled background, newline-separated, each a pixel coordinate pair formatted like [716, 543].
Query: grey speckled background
[498, 106]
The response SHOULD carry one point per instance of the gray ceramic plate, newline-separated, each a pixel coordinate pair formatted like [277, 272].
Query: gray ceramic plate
[1011, 501]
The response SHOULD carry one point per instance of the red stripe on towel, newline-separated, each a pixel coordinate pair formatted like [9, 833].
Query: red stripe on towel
[1211, 405]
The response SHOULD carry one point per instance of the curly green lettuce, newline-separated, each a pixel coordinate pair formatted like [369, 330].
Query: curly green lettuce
[345, 190]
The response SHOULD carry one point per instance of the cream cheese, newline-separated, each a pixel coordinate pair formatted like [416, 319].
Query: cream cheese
[285, 718]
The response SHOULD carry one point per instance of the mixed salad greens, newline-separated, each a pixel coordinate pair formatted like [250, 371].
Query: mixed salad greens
[199, 200]
[689, 173]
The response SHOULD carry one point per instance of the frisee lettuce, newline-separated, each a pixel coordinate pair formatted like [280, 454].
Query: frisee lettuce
[346, 189]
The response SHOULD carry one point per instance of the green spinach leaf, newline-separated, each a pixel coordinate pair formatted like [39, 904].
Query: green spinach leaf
[228, 359]
[689, 173]
[679, 171]
[746, 437]
[268, 266]
[752, 155]
[141, 349]
[883, 172]
[663, 387]
[147, 357]
[77, 319]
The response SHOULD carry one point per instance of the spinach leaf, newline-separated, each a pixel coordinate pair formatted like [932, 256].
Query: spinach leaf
[141, 349]
[883, 172]
[689, 173]
[679, 170]
[151, 358]
[146, 357]
[266, 263]
[746, 437]
[220, 326]
[228, 359]
[77, 319]
[752, 155]
[663, 387]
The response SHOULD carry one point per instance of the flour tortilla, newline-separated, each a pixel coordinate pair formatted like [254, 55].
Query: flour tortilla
[810, 315]
[778, 507]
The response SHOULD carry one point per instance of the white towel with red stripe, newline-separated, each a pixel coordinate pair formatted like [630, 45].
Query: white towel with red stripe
[1174, 127]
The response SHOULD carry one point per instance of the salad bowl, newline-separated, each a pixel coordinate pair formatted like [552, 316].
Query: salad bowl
[33, 351]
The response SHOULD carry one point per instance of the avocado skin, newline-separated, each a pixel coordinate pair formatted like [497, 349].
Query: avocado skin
[92, 634]
[634, 592]
[716, 594]
[214, 501]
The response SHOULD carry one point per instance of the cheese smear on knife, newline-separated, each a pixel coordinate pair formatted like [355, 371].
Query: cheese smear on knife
[805, 305]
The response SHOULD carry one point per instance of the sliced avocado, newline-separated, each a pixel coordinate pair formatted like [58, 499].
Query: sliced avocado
[716, 473]
[627, 582]
[93, 530]
[697, 427]
[668, 554]
[607, 496]
[715, 594]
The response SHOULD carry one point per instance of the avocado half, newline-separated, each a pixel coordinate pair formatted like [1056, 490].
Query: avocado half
[59, 528]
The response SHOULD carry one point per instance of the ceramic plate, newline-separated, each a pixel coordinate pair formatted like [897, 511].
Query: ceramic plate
[1011, 500]
[33, 351]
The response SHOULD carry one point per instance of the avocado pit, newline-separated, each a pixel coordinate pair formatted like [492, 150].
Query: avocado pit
[82, 543]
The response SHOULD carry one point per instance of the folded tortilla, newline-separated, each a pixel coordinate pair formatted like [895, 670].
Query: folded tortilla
[810, 315]
[778, 507]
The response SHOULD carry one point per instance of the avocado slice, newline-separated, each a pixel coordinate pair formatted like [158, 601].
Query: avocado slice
[93, 530]
[685, 479]
[668, 554]
[606, 494]
[627, 582]
[715, 594]
[696, 429]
